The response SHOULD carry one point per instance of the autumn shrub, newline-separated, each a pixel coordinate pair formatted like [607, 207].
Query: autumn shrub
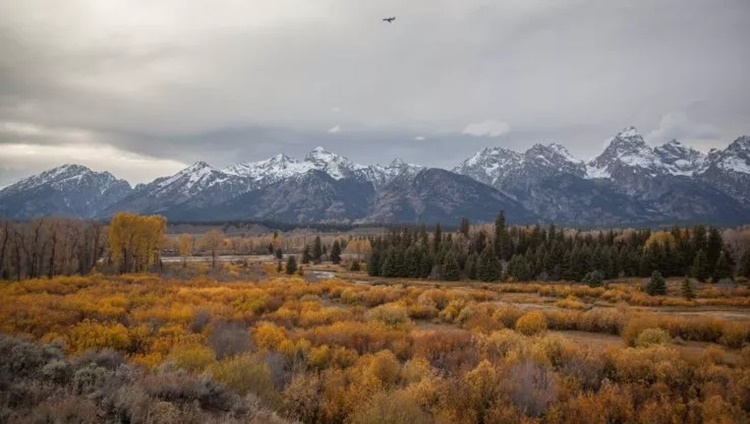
[390, 407]
[95, 335]
[391, 314]
[652, 337]
[248, 374]
[229, 339]
[194, 358]
[571, 302]
[508, 315]
[530, 323]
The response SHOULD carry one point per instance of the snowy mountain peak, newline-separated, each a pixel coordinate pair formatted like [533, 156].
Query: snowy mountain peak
[629, 132]
[735, 158]
[679, 159]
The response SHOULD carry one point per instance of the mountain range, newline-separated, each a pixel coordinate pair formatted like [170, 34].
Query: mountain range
[629, 183]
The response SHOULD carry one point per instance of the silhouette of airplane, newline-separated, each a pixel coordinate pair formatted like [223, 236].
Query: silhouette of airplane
[389, 20]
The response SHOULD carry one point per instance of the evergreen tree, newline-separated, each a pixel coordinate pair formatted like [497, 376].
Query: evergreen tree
[656, 285]
[470, 266]
[270, 248]
[723, 268]
[451, 270]
[355, 266]
[426, 264]
[291, 265]
[336, 252]
[502, 245]
[317, 251]
[438, 238]
[306, 256]
[699, 270]
[279, 253]
[745, 264]
[464, 226]
[714, 248]
[687, 289]
[488, 266]
[593, 279]
[374, 264]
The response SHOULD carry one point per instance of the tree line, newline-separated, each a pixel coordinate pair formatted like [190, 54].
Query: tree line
[549, 253]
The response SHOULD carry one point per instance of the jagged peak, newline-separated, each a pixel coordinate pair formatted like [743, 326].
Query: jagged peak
[629, 132]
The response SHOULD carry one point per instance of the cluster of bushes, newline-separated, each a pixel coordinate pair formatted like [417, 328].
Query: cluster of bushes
[38, 383]
[331, 351]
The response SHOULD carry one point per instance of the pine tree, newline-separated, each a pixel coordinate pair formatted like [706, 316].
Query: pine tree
[470, 266]
[656, 285]
[502, 239]
[464, 226]
[699, 270]
[714, 247]
[723, 268]
[291, 265]
[279, 253]
[355, 266]
[687, 289]
[306, 256]
[374, 264]
[317, 252]
[593, 279]
[336, 252]
[488, 266]
[745, 264]
[270, 248]
[451, 270]
[438, 238]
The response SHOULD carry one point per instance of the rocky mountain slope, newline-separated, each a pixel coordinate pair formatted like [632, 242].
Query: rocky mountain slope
[629, 183]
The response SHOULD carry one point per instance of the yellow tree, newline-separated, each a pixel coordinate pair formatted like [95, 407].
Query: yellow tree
[135, 240]
[213, 241]
[185, 246]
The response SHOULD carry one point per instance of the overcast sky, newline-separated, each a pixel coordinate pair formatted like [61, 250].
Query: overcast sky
[143, 87]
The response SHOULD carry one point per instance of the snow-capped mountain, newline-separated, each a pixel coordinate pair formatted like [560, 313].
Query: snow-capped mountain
[680, 159]
[199, 185]
[490, 165]
[70, 190]
[281, 167]
[630, 183]
[729, 170]
[627, 153]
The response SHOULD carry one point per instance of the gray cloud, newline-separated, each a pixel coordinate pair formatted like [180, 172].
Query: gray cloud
[225, 81]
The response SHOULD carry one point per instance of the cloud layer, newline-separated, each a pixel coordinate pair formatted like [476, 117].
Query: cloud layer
[174, 82]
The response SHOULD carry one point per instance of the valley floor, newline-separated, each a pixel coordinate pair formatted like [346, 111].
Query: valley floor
[338, 346]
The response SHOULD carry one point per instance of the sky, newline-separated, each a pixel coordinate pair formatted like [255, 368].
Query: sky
[142, 88]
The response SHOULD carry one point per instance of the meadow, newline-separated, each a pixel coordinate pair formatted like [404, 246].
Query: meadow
[215, 347]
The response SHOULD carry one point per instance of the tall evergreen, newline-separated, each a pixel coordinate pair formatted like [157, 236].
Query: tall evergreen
[451, 270]
[714, 247]
[306, 256]
[374, 264]
[488, 266]
[699, 270]
[336, 252]
[438, 238]
[687, 289]
[291, 265]
[745, 264]
[470, 266]
[279, 253]
[317, 251]
[656, 285]
[723, 268]
[464, 226]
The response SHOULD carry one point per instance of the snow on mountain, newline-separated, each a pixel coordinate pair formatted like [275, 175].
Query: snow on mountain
[735, 158]
[67, 190]
[490, 165]
[680, 159]
[281, 167]
[500, 167]
[626, 152]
